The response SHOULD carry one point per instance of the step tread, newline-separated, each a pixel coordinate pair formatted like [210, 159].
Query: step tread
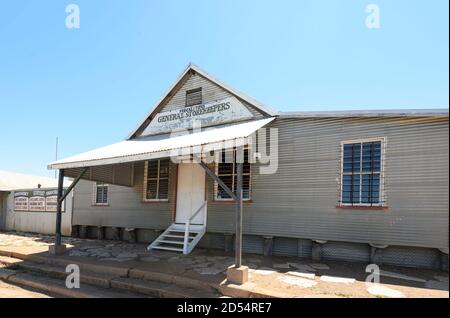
[59, 270]
[58, 287]
[178, 236]
[159, 289]
[5, 260]
[170, 242]
[157, 247]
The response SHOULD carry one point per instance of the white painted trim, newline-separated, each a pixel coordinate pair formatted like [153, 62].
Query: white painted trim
[216, 185]
[144, 194]
[94, 196]
[382, 199]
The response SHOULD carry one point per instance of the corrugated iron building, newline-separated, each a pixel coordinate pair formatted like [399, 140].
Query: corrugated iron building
[302, 209]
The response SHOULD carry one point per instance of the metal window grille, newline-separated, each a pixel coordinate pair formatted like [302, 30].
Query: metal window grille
[362, 173]
[227, 172]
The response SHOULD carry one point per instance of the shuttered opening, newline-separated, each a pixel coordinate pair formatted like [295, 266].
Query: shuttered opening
[194, 97]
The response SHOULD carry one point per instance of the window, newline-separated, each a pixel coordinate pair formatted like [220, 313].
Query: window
[226, 170]
[156, 180]
[100, 194]
[362, 173]
[194, 97]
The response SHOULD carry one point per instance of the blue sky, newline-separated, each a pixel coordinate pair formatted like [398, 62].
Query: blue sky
[90, 86]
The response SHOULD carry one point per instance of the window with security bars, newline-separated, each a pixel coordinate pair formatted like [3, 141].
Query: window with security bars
[194, 97]
[156, 180]
[101, 194]
[226, 170]
[362, 173]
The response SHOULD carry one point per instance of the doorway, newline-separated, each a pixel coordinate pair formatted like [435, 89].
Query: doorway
[190, 193]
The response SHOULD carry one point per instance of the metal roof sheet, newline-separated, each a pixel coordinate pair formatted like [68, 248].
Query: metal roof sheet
[17, 181]
[368, 113]
[158, 146]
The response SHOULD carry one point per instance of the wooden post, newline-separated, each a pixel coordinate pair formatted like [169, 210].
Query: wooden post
[239, 215]
[59, 208]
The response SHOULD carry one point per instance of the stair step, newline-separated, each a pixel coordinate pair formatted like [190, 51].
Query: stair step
[97, 279]
[171, 242]
[157, 289]
[179, 236]
[10, 261]
[58, 287]
[158, 247]
[182, 232]
[50, 278]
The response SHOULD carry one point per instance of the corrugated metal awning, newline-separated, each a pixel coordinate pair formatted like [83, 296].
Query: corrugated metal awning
[160, 146]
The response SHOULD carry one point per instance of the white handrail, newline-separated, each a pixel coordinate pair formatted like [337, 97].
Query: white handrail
[188, 224]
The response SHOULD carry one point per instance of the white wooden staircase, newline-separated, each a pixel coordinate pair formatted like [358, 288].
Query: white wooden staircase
[181, 237]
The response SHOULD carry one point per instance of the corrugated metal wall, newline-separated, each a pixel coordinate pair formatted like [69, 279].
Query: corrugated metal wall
[300, 199]
[126, 207]
[36, 222]
[298, 203]
[2, 210]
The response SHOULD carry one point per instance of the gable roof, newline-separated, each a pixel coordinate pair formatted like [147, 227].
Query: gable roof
[180, 80]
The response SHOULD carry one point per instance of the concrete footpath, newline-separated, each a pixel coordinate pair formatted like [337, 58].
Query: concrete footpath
[117, 265]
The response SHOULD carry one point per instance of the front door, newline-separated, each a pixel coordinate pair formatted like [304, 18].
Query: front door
[190, 193]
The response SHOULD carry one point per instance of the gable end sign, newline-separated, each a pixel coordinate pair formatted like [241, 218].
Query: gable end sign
[219, 112]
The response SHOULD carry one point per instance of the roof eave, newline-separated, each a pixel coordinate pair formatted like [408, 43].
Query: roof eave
[192, 67]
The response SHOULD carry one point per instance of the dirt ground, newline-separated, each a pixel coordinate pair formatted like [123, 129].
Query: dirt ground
[281, 276]
[11, 291]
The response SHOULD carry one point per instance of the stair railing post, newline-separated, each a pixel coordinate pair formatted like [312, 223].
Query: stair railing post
[186, 237]
[205, 213]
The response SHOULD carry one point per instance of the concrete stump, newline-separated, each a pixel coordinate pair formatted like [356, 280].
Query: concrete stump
[444, 261]
[82, 231]
[100, 233]
[115, 233]
[57, 249]
[316, 253]
[268, 245]
[237, 275]
[131, 233]
[228, 242]
[75, 233]
[376, 255]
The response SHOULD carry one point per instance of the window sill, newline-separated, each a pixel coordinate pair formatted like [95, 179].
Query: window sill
[363, 207]
[100, 205]
[154, 201]
[229, 202]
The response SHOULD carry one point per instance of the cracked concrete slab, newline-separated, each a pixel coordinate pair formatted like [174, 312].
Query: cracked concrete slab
[320, 266]
[281, 266]
[401, 276]
[336, 279]
[265, 271]
[383, 291]
[297, 281]
[302, 274]
[302, 267]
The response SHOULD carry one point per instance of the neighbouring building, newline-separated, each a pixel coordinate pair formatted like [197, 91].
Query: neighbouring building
[369, 186]
[28, 204]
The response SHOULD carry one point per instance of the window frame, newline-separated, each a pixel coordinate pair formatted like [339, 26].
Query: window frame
[95, 192]
[234, 176]
[382, 199]
[145, 185]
